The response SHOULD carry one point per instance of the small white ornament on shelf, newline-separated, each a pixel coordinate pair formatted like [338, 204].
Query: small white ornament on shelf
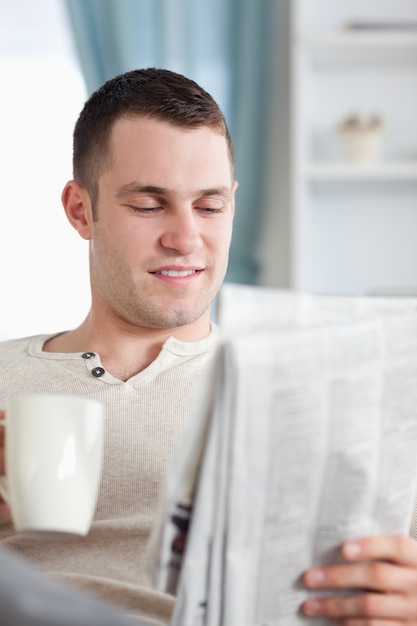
[361, 137]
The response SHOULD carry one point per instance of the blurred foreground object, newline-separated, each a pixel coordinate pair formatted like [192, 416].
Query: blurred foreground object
[30, 598]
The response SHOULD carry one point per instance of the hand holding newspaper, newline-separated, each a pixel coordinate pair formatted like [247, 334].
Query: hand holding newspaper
[305, 436]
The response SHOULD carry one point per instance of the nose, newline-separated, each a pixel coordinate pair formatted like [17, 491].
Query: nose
[182, 232]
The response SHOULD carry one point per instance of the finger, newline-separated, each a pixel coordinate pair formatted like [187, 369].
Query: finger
[363, 605]
[375, 575]
[5, 513]
[2, 430]
[2, 462]
[2, 440]
[397, 548]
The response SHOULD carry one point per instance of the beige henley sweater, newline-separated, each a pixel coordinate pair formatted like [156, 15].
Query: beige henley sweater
[144, 418]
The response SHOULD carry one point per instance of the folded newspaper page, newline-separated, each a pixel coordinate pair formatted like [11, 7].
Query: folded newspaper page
[304, 436]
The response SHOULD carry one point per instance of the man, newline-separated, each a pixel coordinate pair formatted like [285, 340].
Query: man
[154, 194]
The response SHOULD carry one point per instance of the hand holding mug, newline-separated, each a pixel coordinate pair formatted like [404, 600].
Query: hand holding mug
[52, 457]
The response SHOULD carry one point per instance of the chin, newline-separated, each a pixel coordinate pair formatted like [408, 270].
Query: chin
[182, 318]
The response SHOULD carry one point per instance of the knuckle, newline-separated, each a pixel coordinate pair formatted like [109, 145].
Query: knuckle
[368, 603]
[378, 574]
[401, 544]
[413, 588]
[335, 607]
[403, 548]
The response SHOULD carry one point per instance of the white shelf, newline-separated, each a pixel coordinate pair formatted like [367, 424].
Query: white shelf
[382, 46]
[361, 40]
[345, 57]
[388, 171]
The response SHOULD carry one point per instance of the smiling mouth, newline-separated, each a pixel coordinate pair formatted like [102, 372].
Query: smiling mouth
[177, 273]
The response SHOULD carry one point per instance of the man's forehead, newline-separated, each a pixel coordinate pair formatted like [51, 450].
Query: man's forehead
[157, 136]
[129, 130]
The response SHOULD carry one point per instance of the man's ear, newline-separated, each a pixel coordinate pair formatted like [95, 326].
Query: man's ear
[234, 187]
[78, 208]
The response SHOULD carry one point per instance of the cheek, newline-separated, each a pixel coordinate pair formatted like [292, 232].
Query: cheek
[130, 238]
[222, 238]
[219, 228]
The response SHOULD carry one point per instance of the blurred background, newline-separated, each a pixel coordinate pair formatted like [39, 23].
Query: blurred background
[320, 98]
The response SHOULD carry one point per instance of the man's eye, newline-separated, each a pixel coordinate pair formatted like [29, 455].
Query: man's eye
[143, 209]
[210, 209]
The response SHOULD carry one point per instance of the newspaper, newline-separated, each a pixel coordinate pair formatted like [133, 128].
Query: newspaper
[304, 436]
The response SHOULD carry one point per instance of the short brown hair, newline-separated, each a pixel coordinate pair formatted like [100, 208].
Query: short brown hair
[155, 93]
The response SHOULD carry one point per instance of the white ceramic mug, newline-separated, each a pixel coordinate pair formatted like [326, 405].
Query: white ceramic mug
[53, 457]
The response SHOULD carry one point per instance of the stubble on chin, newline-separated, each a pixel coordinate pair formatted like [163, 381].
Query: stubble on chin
[164, 316]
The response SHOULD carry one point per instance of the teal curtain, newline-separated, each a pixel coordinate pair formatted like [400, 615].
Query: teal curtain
[222, 44]
[251, 72]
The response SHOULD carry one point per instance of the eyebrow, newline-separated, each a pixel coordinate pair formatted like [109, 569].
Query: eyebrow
[135, 188]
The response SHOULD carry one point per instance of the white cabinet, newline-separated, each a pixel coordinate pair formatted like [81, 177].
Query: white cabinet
[353, 224]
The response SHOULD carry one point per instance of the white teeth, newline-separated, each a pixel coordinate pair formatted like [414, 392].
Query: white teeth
[176, 272]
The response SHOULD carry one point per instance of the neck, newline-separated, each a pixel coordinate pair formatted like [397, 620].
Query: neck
[124, 350]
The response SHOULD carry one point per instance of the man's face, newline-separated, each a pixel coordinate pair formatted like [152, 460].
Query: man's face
[160, 244]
